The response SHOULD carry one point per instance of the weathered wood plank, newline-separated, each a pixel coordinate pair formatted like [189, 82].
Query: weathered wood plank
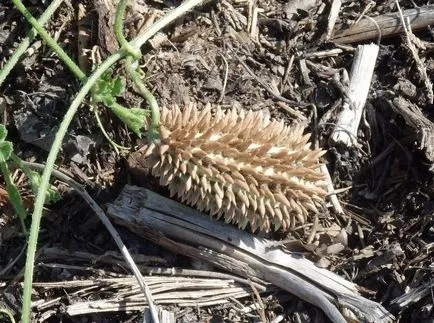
[162, 221]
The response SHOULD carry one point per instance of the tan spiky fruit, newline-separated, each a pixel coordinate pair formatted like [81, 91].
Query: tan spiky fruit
[241, 166]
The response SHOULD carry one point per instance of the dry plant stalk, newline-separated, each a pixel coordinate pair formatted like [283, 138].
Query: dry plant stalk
[239, 165]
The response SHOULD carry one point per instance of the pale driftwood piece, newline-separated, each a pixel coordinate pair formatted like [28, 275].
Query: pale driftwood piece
[333, 16]
[156, 217]
[386, 25]
[345, 131]
[423, 127]
[413, 296]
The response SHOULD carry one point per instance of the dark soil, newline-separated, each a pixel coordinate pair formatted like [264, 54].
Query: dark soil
[209, 56]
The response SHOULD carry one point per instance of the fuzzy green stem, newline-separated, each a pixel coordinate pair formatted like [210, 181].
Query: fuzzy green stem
[120, 11]
[116, 146]
[43, 186]
[155, 110]
[14, 195]
[13, 60]
[49, 40]
[45, 179]
[29, 173]
[17, 160]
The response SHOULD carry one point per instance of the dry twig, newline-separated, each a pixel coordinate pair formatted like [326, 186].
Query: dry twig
[390, 25]
[411, 39]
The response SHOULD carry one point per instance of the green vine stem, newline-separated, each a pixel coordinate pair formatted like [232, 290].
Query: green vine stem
[136, 54]
[49, 40]
[14, 195]
[43, 186]
[153, 105]
[13, 60]
[17, 160]
[115, 146]
[74, 68]
[120, 11]
[33, 177]
[40, 198]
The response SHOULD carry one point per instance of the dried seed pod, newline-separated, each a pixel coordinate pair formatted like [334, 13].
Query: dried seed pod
[241, 166]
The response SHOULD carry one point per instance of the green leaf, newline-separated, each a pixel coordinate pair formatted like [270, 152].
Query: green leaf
[108, 100]
[134, 118]
[52, 196]
[106, 89]
[13, 193]
[15, 199]
[6, 149]
[117, 87]
[5, 146]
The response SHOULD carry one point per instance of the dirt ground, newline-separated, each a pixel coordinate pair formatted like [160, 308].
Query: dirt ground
[214, 54]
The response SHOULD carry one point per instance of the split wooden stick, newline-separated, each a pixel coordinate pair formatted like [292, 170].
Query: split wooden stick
[387, 25]
[362, 70]
[186, 231]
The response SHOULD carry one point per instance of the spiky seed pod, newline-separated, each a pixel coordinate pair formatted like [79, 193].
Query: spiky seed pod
[238, 165]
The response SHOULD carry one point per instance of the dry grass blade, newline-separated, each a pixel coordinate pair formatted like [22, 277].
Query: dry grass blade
[123, 294]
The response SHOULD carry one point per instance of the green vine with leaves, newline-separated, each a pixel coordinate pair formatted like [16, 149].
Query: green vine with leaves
[103, 89]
